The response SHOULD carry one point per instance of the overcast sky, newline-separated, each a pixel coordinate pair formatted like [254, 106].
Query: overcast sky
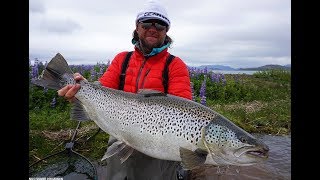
[236, 33]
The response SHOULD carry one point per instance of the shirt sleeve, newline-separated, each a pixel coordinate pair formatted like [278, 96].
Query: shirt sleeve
[179, 80]
[110, 78]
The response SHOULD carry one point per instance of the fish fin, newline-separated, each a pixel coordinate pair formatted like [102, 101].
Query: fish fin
[121, 149]
[78, 112]
[125, 153]
[150, 92]
[55, 74]
[97, 83]
[113, 149]
[191, 159]
[111, 140]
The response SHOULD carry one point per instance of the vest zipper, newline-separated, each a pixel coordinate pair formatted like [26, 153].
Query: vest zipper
[144, 78]
[138, 77]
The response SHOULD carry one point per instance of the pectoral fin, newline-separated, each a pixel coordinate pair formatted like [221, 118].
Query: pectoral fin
[115, 148]
[121, 149]
[191, 159]
[125, 153]
[78, 112]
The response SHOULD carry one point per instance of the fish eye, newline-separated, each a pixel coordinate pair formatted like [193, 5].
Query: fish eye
[243, 140]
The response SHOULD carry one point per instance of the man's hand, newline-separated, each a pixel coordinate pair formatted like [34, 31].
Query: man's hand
[70, 90]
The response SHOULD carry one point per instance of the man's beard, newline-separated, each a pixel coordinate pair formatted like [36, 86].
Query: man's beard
[147, 48]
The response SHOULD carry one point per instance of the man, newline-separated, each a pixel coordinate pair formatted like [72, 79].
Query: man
[144, 71]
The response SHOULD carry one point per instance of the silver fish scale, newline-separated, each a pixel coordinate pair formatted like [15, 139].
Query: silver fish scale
[169, 117]
[156, 115]
[67, 79]
[220, 135]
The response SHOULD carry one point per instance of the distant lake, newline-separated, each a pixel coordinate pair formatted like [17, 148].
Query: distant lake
[234, 72]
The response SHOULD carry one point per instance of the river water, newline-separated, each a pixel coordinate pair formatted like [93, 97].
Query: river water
[234, 72]
[277, 167]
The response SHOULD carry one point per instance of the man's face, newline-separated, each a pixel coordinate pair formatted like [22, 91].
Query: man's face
[151, 33]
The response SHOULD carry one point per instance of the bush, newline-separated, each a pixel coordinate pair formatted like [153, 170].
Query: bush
[264, 85]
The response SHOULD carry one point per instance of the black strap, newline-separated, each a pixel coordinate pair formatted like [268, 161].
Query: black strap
[165, 74]
[123, 70]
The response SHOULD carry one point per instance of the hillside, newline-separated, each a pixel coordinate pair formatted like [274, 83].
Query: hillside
[261, 68]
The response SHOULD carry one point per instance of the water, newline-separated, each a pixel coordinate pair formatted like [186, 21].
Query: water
[234, 72]
[277, 167]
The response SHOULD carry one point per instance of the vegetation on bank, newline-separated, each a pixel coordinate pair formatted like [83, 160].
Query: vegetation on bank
[258, 103]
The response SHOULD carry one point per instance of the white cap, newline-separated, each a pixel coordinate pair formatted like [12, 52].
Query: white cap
[153, 9]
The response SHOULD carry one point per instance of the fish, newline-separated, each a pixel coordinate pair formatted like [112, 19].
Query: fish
[160, 125]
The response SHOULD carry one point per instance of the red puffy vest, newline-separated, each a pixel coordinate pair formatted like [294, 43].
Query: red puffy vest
[145, 73]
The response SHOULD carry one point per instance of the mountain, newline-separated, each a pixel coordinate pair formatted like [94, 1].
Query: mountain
[261, 68]
[217, 67]
[268, 67]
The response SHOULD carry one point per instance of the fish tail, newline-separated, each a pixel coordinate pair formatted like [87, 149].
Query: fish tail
[56, 74]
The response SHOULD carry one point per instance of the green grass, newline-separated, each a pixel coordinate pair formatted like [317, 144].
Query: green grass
[50, 130]
[272, 117]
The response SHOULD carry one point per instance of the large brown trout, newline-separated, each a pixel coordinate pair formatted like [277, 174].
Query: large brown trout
[160, 125]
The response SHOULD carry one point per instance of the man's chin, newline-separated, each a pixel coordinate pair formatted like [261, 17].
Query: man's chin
[150, 44]
[152, 41]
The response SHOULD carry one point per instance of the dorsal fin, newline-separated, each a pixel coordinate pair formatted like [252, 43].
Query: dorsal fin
[97, 83]
[150, 92]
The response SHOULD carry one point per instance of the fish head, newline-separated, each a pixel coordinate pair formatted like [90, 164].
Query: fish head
[228, 144]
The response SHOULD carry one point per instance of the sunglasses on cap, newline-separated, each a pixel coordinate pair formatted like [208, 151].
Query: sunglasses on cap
[159, 25]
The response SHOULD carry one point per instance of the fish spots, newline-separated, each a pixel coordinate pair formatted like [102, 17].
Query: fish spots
[220, 136]
[153, 116]
[158, 120]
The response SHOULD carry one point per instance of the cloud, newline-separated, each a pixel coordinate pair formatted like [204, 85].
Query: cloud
[236, 33]
[59, 25]
[36, 6]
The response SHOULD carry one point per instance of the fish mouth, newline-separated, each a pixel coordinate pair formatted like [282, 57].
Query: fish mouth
[255, 152]
[260, 153]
